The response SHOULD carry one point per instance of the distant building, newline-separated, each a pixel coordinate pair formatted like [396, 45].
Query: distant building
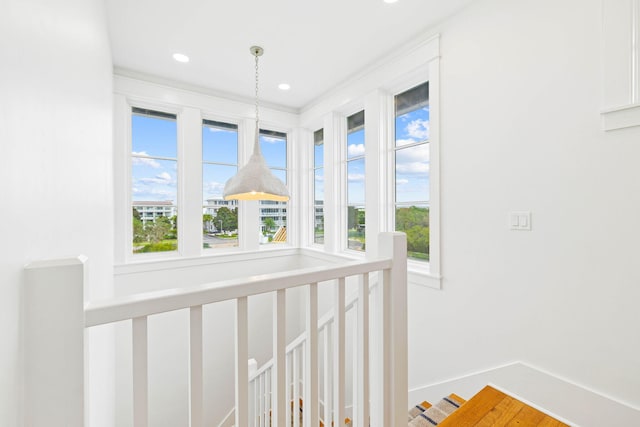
[268, 209]
[150, 210]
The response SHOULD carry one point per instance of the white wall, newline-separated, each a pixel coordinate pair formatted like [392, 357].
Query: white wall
[521, 130]
[55, 166]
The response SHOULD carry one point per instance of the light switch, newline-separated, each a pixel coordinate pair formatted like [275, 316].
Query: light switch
[520, 221]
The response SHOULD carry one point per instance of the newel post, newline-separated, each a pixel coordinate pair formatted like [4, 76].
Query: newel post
[395, 387]
[53, 308]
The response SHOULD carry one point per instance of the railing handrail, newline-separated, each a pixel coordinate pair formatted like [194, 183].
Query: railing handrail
[148, 303]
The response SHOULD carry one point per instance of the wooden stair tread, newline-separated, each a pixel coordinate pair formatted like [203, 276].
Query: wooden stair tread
[493, 408]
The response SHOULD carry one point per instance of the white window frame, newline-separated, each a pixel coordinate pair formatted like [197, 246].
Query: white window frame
[375, 91]
[344, 173]
[240, 130]
[312, 192]
[190, 109]
[292, 217]
[123, 110]
[393, 151]
[372, 91]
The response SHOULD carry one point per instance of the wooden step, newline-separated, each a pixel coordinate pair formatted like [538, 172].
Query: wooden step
[492, 408]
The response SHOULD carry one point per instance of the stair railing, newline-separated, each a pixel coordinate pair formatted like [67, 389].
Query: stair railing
[55, 322]
[295, 354]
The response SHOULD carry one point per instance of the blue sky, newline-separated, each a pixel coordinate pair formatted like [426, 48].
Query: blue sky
[153, 179]
[219, 146]
[412, 163]
[355, 168]
[154, 149]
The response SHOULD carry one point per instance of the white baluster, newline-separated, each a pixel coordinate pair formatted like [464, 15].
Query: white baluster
[242, 367]
[311, 396]
[328, 374]
[289, 383]
[195, 366]
[353, 316]
[140, 372]
[362, 369]
[296, 386]
[338, 353]
[279, 351]
[262, 392]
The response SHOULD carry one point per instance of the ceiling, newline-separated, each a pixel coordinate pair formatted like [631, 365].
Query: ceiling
[311, 45]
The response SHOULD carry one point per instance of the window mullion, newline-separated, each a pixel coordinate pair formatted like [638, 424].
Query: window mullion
[190, 183]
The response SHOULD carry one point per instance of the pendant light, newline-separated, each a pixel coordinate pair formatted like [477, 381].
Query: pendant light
[254, 181]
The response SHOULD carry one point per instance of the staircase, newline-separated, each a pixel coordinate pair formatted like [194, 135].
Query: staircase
[489, 407]
[423, 414]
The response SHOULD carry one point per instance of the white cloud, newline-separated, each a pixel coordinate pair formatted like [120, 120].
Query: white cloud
[355, 177]
[141, 161]
[413, 161]
[166, 194]
[355, 150]
[214, 188]
[154, 194]
[418, 129]
[419, 153]
[271, 140]
[162, 179]
[413, 168]
[401, 142]
[319, 177]
[402, 181]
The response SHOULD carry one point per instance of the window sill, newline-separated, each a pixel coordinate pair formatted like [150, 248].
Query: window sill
[171, 262]
[422, 277]
[621, 117]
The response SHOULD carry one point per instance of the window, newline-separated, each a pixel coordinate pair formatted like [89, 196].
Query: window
[219, 163]
[412, 169]
[273, 215]
[154, 187]
[318, 186]
[355, 182]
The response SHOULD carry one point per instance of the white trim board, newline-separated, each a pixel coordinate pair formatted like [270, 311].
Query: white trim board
[569, 402]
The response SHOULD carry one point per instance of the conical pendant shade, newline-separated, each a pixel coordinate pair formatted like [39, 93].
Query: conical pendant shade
[254, 181]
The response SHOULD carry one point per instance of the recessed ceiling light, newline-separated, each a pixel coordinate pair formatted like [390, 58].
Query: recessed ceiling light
[284, 86]
[390, 1]
[180, 57]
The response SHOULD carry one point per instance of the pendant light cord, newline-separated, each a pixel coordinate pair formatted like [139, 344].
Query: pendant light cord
[257, 111]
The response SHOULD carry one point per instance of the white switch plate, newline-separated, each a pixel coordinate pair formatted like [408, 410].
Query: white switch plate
[520, 221]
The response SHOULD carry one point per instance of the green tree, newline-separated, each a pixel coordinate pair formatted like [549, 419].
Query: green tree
[173, 231]
[418, 239]
[228, 217]
[139, 234]
[414, 221]
[207, 221]
[269, 224]
[411, 216]
[355, 218]
[157, 230]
